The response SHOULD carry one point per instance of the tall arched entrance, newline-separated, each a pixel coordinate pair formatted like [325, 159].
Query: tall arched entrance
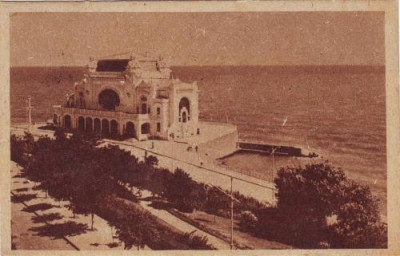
[109, 99]
[184, 110]
[184, 116]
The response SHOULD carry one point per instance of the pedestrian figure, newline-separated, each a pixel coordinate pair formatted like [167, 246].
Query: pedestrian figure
[196, 148]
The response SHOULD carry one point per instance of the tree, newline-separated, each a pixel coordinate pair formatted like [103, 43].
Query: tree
[309, 196]
[91, 182]
[159, 181]
[179, 190]
[358, 221]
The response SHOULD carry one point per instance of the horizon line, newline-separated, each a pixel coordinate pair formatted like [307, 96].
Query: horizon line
[224, 65]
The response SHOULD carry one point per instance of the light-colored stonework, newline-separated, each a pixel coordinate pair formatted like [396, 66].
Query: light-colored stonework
[135, 96]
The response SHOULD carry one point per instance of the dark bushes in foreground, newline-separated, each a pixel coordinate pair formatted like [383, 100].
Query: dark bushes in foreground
[319, 207]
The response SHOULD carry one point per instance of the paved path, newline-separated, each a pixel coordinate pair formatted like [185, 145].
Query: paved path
[24, 238]
[32, 233]
[20, 129]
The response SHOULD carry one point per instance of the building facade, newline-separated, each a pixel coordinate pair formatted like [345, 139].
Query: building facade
[135, 97]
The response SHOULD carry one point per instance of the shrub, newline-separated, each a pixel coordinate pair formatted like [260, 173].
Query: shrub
[248, 203]
[247, 221]
[268, 224]
[151, 160]
[21, 147]
[196, 242]
[17, 150]
[217, 203]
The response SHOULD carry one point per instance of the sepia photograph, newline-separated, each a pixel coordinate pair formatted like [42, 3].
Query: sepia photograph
[191, 130]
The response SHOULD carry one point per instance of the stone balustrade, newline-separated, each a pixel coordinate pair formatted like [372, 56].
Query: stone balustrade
[105, 114]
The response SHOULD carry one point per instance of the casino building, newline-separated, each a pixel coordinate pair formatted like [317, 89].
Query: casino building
[135, 97]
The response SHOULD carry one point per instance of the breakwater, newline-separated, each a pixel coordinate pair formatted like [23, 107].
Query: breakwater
[274, 149]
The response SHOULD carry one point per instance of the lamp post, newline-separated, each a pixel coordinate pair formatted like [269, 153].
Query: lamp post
[231, 196]
[29, 109]
[272, 172]
[232, 200]
[173, 155]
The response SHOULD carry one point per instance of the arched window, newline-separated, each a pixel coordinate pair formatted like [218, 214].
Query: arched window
[105, 127]
[114, 128]
[145, 129]
[81, 123]
[143, 104]
[89, 124]
[67, 122]
[97, 125]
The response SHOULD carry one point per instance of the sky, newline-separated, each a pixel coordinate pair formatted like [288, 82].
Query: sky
[238, 38]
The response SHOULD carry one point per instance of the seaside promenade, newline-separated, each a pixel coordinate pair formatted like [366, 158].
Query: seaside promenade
[218, 141]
